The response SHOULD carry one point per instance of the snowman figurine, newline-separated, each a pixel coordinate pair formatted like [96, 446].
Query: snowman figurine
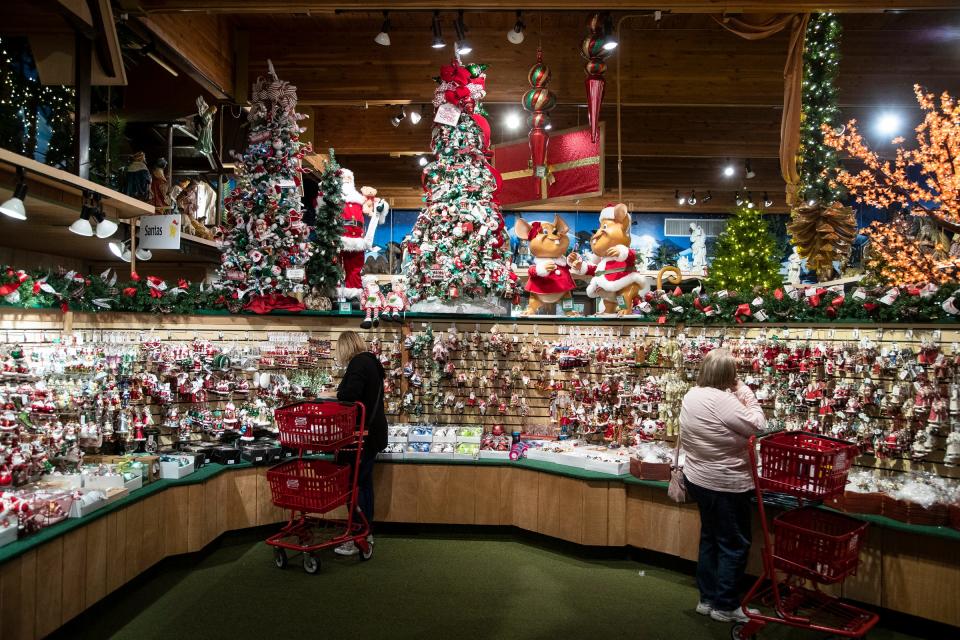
[371, 301]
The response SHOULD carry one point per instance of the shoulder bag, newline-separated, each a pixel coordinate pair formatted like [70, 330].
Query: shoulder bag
[677, 489]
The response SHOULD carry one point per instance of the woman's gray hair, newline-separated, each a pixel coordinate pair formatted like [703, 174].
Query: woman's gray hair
[718, 370]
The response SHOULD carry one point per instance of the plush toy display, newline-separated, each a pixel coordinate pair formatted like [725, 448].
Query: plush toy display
[396, 302]
[612, 265]
[549, 279]
[372, 302]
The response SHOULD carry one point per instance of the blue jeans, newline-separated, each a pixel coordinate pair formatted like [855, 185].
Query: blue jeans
[724, 544]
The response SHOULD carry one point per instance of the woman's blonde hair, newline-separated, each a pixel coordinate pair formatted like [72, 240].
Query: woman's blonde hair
[719, 370]
[349, 344]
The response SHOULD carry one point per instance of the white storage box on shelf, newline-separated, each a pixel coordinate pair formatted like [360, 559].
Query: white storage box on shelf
[176, 467]
[112, 480]
[397, 434]
[445, 434]
[492, 454]
[613, 466]
[8, 534]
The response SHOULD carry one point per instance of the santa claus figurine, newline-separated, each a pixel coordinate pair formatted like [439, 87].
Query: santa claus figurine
[354, 243]
[372, 302]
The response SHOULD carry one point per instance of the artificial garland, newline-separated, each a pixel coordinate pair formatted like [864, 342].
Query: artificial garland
[70, 291]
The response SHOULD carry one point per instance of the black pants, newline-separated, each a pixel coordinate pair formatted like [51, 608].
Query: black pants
[364, 478]
[724, 544]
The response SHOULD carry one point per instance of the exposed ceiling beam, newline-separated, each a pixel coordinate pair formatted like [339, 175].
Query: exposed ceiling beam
[679, 6]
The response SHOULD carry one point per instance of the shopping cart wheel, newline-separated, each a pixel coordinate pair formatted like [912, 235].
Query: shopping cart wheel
[736, 632]
[311, 563]
[280, 558]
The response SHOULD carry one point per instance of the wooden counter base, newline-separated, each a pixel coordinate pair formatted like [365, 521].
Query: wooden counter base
[50, 584]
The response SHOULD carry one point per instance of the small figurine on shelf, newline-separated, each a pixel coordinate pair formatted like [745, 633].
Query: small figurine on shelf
[952, 457]
[137, 180]
[549, 279]
[203, 126]
[159, 189]
[372, 302]
[698, 245]
[396, 302]
[794, 268]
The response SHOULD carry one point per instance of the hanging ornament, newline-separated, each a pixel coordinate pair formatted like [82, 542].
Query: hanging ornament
[593, 50]
[539, 101]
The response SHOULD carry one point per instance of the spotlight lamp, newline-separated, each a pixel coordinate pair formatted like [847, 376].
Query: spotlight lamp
[513, 121]
[422, 161]
[82, 226]
[383, 38]
[767, 202]
[416, 116]
[462, 47]
[707, 198]
[14, 207]
[515, 35]
[438, 42]
[105, 228]
[738, 198]
[728, 169]
[693, 197]
[400, 117]
[610, 36]
[750, 204]
[681, 200]
[748, 171]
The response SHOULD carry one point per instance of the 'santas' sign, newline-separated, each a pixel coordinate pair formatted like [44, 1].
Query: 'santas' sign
[159, 232]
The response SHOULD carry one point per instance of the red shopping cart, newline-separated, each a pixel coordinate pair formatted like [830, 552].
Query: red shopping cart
[311, 487]
[811, 546]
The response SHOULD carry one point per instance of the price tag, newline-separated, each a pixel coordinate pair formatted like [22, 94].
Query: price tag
[297, 274]
[567, 304]
[808, 333]
[937, 334]
[447, 114]
[856, 334]
[786, 332]
[344, 307]
[909, 334]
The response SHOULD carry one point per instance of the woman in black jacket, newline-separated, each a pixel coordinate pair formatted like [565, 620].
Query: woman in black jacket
[363, 382]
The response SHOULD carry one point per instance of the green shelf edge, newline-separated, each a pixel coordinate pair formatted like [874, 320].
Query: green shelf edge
[23, 545]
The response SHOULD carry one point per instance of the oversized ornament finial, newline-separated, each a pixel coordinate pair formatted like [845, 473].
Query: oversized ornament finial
[539, 101]
[595, 53]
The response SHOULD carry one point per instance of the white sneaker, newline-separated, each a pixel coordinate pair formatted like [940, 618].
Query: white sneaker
[347, 549]
[370, 539]
[704, 608]
[737, 615]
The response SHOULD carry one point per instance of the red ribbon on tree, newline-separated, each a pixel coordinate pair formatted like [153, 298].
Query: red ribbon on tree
[742, 311]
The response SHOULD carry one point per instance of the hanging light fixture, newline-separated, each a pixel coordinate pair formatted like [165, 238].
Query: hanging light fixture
[748, 171]
[515, 35]
[397, 119]
[82, 226]
[462, 47]
[438, 42]
[693, 197]
[105, 228]
[767, 202]
[680, 199]
[14, 207]
[610, 37]
[750, 204]
[738, 198]
[383, 38]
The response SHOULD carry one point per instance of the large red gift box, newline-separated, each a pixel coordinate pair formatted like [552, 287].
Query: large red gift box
[574, 169]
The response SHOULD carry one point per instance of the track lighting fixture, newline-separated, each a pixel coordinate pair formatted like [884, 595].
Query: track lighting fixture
[693, 197]
[438, 42]
[14, 206]
[767, 202]
[515, 35]
[383, 38]
[707, 198]
[748, 171]
[750, 204]
[400, 117]
[681, 200]
[462, 47]
[728, 169]
[610, 37]
[738, 198]
[416, 116]
[422, 161]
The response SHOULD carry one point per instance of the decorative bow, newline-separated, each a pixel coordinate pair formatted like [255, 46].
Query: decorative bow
[742, 311]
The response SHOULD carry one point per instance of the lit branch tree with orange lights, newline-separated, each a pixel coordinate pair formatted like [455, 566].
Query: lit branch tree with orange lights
[913, 248]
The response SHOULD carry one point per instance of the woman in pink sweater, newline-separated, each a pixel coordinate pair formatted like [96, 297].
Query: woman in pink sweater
[717, 418]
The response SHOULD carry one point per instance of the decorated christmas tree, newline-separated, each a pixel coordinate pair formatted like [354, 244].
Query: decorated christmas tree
[267, 244]
[324, 270]
[746, 254]
[458, 245]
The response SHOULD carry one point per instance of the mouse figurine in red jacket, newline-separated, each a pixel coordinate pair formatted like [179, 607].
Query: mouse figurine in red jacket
[549, 279]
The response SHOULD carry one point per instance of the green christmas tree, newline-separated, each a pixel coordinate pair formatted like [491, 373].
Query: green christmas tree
[267, 244]
[324, 270]
[458, 245]
[746, 254]
[818, 164]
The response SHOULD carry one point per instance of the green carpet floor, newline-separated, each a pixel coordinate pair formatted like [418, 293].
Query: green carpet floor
[425, 586]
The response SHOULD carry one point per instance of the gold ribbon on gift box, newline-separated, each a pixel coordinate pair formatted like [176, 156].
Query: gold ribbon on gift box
[549, 178]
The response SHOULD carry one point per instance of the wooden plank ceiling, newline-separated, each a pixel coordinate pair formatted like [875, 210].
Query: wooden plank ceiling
[692, 95]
